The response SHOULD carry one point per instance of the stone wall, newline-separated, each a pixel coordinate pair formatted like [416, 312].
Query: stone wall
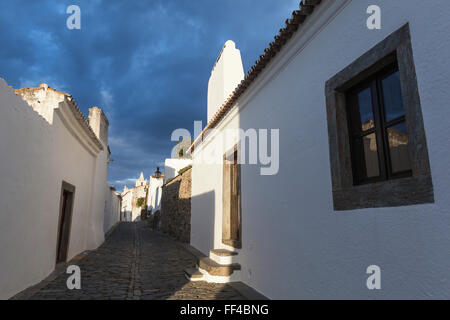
[176, 207]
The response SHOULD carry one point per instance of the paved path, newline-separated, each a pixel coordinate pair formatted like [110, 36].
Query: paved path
[138, 264]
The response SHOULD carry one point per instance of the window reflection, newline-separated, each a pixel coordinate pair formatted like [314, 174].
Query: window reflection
[365, 110]
[371, 156]
[399, 148]
[392, 94]
[377, 126]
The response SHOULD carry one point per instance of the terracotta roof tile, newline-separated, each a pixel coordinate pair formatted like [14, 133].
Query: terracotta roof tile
[83, 121]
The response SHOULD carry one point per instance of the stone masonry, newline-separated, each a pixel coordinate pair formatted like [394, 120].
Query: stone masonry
[176, 207]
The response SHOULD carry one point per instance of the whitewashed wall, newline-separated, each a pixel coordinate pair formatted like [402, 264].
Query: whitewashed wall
[138, 193]
[35, 158]
[127, 206]
[225, 76]
[172, 166]
[112, 209]
[294, 244]
[155, 194]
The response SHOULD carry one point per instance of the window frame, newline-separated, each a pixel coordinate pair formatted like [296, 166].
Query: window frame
[409, 190]
[381, 125]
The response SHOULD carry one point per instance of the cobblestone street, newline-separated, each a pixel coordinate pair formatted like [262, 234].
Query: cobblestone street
[134, 263]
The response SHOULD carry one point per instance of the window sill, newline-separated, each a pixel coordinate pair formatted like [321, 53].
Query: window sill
[393, 193]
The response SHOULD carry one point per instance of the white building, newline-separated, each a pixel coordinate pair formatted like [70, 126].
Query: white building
[53, 173]
[134, 200]
[172, 167]
[338, 202]
[112, 208]
[147, 192]
[179, 157]
[155, 191]
[126, 208]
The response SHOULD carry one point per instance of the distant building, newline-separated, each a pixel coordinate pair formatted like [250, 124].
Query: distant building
[145, 197]
[126, 208]
[180, 159]
[155, 191]
[134, 200]
[180, 151]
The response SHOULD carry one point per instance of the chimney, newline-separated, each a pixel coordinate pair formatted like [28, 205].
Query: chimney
[226, 75]
[99, 124]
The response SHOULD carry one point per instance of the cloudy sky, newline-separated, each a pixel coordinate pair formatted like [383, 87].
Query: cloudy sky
[145, 62]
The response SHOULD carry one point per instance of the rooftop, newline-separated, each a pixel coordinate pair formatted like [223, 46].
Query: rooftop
[71, 103]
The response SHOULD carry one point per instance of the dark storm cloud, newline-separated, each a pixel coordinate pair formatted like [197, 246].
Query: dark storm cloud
[146, 63]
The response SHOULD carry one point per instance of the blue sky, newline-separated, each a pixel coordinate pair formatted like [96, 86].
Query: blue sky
[145, 62]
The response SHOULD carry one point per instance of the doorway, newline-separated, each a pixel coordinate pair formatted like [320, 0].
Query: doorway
[231, 217]
[65, 222]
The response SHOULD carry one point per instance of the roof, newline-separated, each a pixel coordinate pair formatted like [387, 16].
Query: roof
[83, 121]
[41, 86]
[125, 192]
[292, 25]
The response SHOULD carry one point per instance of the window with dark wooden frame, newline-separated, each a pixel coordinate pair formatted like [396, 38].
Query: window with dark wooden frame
[378, 133]
[378, 147]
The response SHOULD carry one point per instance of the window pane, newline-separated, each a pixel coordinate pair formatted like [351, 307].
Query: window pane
[366, 157]
[399, 148]
[392, 93]
[371, 156]
[365, 109]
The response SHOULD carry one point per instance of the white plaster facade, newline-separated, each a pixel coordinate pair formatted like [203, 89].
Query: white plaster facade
[41, 146]
[149, 190]
[295, 246]
[112, 208]
[155, 193]
[130, 212]
[173, 166]
[127, 205]
[225, 76]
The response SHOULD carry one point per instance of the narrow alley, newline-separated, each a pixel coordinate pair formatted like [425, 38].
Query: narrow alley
[134, 263]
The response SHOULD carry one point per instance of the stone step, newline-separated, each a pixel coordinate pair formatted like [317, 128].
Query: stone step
[215, 269]
[223, 256]
[192, 274]
[223, 253]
